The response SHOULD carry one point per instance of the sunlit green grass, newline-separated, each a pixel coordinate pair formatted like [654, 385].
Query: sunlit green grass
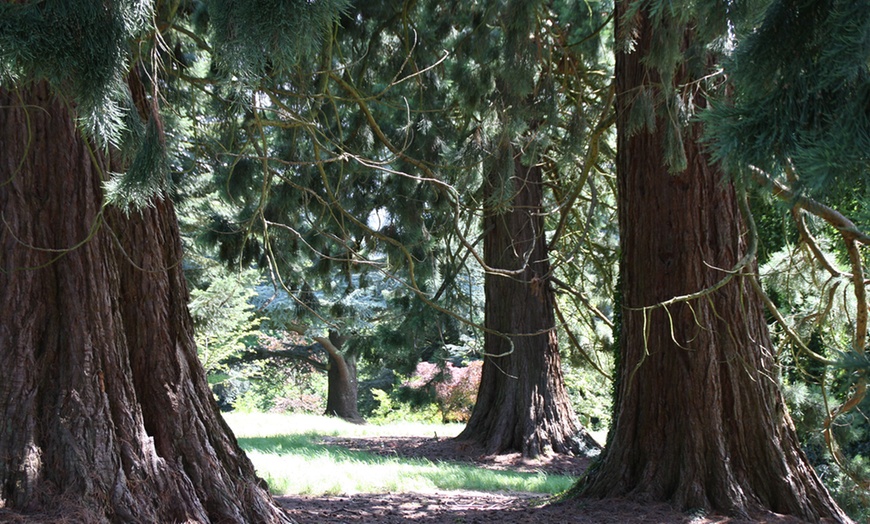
[289, 455]
[272, 424]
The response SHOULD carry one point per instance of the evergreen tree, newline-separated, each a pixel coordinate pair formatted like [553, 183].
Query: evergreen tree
[108, 415]
[699, 418]
[522, 403]
[797, 123]
[403, 122]
[322, 198]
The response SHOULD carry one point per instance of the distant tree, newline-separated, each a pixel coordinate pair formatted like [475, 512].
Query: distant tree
[319, 197]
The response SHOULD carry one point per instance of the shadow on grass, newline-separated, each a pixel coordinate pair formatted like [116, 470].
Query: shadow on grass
[360, 471]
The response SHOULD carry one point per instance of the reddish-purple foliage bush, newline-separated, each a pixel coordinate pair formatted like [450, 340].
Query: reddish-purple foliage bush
[304, 403]
[454, 388]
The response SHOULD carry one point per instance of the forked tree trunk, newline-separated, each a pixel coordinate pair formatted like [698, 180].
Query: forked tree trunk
[342, 384]
[699, 418]
[522, 404]
[106, 414]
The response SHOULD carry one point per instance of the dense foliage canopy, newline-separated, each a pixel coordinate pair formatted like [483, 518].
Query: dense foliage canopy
[340, 157]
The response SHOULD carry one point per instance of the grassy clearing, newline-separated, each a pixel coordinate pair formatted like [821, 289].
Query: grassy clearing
[273, 425]
[287, 453]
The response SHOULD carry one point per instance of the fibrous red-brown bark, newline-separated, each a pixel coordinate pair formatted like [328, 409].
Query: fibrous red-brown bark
[106, 414]
[699, 417]
[522, 404]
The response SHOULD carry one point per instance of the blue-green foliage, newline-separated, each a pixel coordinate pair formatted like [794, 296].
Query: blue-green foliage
[807, 407]
[823, 318]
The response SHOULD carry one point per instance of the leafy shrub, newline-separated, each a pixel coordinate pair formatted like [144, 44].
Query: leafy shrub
[223, 317]
[392, 410]
[383, 380]
[305, 403]
[261, 396]
[807, 408]
[276, 384]
[453, 389]
[303, 391]
[268, 387]
[590, 395]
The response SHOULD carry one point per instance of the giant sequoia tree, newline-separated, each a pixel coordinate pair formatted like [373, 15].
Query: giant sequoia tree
[699, 418]
[106, 407]
[804, 131]
[522, 403]
[107, 414]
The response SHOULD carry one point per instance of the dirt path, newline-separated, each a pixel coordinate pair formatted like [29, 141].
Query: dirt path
[471, 507]
[467, 507]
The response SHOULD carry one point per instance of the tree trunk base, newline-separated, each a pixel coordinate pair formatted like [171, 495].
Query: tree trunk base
[107, 416]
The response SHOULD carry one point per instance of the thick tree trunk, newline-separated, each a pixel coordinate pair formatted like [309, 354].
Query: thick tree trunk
[699, 417]
[106, 413]
[522, 404]
[342, 384]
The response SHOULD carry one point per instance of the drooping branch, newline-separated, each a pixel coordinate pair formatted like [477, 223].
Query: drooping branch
[583, 298]
[810, 241]
[296, 352]
[852, 236]
[859, 390]
[576, 343]
[606, 120]
[771, 307]
[837, 220]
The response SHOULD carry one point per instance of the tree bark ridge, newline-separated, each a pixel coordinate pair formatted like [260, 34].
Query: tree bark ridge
[522, 404]
[699, 417]
[106, 411]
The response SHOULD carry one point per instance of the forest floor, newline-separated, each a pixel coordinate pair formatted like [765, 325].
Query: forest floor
[474, 507]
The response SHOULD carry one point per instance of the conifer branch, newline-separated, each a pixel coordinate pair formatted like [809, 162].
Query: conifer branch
[583, 298]
[813, 245]
[301, 353]
[852, 236]
[833, 217]
[430, 177]
[576, 343]
[605, 120]
[200, 42]
[794, 336]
